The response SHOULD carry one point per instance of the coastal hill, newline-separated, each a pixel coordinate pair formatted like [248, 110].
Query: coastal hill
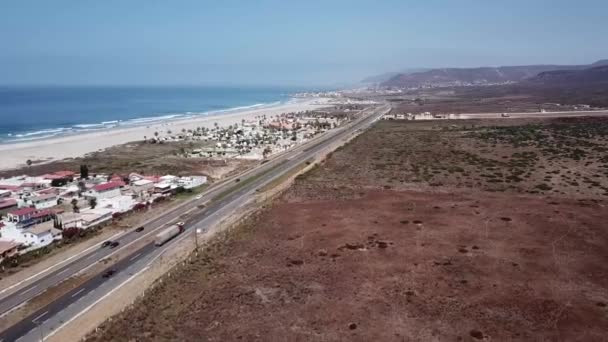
[594, 75]
[477, 76]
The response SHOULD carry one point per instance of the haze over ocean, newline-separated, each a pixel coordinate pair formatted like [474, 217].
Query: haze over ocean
[36, 112]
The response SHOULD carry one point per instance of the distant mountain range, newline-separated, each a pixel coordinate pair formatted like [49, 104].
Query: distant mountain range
[494, 75]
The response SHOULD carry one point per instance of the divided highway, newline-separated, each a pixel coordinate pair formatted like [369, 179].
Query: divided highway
[221, 200]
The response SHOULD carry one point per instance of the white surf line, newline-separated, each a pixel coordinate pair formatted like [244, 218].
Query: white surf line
[54, 266]
[35, 320]
[85, 310]
[77, 293]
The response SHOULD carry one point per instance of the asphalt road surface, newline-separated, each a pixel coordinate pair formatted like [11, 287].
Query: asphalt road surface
[222, 200]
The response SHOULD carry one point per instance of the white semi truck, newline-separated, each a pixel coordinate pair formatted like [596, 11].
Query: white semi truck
[168, 233]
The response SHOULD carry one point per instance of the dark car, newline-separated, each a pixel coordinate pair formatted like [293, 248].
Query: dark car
[140, 229]
[237, 180]
[108, 273]
[106, 244]
[114, 244]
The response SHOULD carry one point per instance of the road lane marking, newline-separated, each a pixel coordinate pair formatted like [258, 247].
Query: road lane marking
[77, 293]
[36, 320]
[135, 257]
[62, 272]
[54, 266]
[28, 290]
[85, 310]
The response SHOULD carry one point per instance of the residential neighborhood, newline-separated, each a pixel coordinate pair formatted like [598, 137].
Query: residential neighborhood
[36, 210]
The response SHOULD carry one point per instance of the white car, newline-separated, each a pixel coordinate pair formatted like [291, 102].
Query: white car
[198, 197]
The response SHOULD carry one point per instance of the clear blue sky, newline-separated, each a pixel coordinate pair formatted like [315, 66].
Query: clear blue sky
[285, 42]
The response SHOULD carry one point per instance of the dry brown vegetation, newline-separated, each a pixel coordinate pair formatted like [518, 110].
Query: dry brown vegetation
[143, 158]
[397, 238]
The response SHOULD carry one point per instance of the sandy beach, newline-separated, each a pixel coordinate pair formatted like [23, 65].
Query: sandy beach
[14, 155]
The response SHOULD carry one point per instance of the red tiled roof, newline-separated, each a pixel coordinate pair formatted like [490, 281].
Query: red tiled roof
[53, 176]
[108, 186]
[9, 187]
[42, 213]
[65, 173]
[22, 211]
[8, 203]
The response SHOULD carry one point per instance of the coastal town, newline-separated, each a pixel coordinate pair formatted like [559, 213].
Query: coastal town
[38, 210]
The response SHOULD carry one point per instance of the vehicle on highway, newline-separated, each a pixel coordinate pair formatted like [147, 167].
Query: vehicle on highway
[106, 243]
[237, 180]
[168, 234]
[140, 229]
[505, 115]
[114, 244]
[198, 197]
[108, 273]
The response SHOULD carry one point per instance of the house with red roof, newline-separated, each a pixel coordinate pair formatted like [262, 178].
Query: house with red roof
[20, 215]
[105, 190]
[7, 205]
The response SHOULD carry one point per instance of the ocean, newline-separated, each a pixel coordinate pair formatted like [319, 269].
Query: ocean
[37, 112]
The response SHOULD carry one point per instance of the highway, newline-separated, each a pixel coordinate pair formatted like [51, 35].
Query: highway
[222, 199]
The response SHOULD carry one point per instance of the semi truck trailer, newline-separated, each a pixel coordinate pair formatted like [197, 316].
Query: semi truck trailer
[168, 234]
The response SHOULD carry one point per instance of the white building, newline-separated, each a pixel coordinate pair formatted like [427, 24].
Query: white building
[87, 218]
[43, 201]
[141, 186]
[117, 204]
[105, 190]
[37, 236]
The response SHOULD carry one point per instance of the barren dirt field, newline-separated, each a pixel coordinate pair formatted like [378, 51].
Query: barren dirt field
[361, 252]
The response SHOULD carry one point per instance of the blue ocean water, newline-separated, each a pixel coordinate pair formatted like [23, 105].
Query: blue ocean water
[37, 112]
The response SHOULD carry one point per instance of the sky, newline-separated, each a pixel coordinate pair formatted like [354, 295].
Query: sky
[271, 42]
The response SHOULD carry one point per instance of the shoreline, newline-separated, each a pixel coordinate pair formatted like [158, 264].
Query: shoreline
[14, 155]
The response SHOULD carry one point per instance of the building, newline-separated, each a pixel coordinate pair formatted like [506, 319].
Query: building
[20, 215]
[7, 205]
[141, 186]
[41, 235]
[44, 201]
[8, 249]
[5, 193]
[117, 204]
[104, 190]
[35, 237]
[87, 218]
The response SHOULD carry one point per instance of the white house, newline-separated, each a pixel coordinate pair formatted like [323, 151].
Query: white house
[87, 218]
[44, 201]
[141, 186]
[105, 190]
[118, 204]
[37, 236]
